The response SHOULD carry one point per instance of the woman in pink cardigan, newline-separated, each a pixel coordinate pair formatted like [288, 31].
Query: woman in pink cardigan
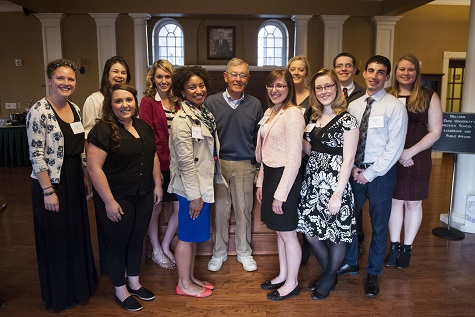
[279, 150]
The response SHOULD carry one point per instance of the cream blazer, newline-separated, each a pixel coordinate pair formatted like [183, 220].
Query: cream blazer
[193, 170]
[281, 146]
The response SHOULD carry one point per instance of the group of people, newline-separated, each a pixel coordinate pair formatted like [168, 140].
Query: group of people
[321, 149]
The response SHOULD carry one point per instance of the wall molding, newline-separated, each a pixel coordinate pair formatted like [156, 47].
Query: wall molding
[7, 6]
[451, 2]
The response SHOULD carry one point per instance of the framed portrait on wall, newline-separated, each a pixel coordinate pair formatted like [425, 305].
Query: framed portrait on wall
[221, 42]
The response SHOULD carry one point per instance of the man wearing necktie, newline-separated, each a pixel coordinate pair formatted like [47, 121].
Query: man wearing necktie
[222, 46]
[383, 126]
[344, 65]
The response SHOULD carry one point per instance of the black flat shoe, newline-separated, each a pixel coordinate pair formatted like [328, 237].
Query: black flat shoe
[316, 295]
[319, 296]
[130, 303]
[267, 285]
[313, 286]
[142, 293]
[349, 269]
[275, 295]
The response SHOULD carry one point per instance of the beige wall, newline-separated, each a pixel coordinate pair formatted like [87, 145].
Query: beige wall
[429, 31]
[425, 32]
[20, 37]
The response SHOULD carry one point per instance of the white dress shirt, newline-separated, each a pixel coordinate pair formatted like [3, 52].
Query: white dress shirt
[386, 131]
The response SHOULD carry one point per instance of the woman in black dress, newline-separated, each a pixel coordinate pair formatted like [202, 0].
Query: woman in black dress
[415, 164]
[326, 208]
[63, 243]
[124, 169]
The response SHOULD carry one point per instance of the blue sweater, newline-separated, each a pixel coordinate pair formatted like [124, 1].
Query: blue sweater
[237, 128]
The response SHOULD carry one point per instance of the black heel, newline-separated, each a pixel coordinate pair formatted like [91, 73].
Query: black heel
[393, 255]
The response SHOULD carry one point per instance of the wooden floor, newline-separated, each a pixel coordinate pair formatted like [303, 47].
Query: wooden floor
[439, 282]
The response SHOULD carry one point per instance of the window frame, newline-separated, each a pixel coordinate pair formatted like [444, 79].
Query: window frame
[284, 50]
[156, 40]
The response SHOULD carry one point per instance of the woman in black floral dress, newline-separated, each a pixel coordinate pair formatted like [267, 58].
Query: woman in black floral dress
[326, 205]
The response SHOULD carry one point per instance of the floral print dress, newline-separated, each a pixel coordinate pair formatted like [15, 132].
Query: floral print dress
[319, 183]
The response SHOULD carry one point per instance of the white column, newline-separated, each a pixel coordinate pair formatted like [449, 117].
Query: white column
[333, 37]
[465, 172]
[106, 38]
[301, 34]
[51, 32]
[385, 35]
[140, 51]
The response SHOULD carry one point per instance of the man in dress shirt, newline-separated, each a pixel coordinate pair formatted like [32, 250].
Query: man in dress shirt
[344, 65]
[237, 116]
[374, 177]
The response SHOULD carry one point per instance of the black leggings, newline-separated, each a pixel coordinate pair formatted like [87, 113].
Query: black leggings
[124, 239]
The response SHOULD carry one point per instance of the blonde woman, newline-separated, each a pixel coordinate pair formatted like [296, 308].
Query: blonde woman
[158, 108]
[414, 166]
[299, 67]
[326, 206]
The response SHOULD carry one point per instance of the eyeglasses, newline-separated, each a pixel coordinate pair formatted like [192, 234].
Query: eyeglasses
[344, 65]
[322, 88]
[235, 75]
[278, 86]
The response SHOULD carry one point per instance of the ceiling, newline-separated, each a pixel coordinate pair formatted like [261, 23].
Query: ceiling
[280, 8]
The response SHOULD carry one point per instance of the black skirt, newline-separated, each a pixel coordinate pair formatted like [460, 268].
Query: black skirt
[63, 243]
[288, 220]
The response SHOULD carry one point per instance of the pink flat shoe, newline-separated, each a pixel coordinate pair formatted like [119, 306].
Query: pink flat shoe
[204, 293]
[208, 285]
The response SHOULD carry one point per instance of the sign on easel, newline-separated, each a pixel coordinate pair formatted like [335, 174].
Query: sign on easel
[458, 136]
[458, 133]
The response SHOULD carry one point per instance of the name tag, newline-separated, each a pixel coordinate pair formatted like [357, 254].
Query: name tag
[376, 122]
[77, 127]
[309, 127]
[403, 100]
[196, 132]
[303, 110]
[263, 120]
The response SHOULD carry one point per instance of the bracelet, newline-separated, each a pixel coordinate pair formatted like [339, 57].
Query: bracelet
[50, 193]
[51, 186]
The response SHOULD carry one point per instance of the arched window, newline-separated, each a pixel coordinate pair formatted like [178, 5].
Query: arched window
[272, 44]
[168, 42]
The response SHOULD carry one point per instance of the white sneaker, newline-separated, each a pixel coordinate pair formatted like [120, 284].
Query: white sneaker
[216, 262]
[248, 263]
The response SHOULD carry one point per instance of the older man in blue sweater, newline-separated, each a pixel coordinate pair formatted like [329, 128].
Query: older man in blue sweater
[237, 115]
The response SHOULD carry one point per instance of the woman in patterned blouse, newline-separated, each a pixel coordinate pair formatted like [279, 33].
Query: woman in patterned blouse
[63, 243]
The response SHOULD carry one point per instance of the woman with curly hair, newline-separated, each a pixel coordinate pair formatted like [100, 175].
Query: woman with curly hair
[158, 108]
[116, 71]
[124, 169]
[194, 149]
